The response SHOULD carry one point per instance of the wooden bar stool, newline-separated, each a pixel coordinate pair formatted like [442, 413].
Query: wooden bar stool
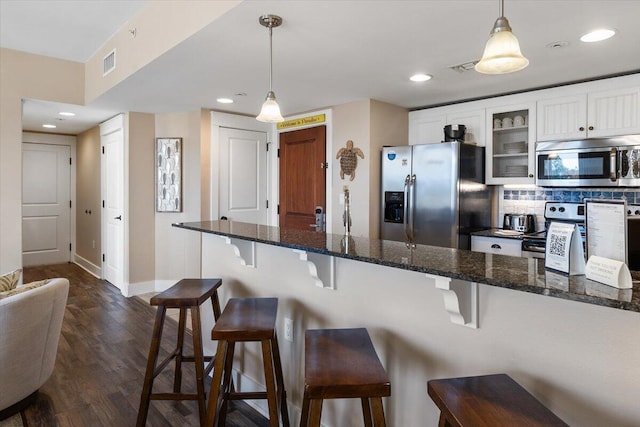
[246, 320]
[342, 363]
[186, 294]
[489, 400]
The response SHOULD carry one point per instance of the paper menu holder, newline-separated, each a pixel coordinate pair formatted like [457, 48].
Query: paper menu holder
[564, 251]
[609, 271]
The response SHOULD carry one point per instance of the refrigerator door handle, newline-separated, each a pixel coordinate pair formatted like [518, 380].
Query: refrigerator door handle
[412, 195]
[407, 203]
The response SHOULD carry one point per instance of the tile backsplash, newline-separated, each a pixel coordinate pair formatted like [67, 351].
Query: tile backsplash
[532, 201]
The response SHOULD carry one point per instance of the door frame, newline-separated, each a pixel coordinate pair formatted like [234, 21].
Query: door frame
[275, 170]
[234, 121]
[71, 141]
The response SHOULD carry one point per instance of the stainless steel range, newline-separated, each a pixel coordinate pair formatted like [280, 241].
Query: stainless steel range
[533, 244]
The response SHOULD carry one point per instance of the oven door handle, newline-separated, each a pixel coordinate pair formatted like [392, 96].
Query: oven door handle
[613, 165]
[532, 248]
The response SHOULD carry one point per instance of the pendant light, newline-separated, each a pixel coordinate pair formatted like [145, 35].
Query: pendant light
[502, 52]
[270, 112]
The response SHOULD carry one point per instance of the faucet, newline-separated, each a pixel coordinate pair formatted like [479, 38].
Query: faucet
[346, 216]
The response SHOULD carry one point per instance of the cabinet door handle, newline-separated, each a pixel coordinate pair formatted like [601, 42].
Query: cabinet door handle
[530, 175]
[581, 129]
[496, 246]
[590, 127]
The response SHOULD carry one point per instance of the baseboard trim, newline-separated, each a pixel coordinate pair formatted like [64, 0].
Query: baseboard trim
[133, 289]
[88, 266]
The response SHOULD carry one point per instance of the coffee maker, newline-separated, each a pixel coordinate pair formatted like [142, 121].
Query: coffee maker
[454, 133]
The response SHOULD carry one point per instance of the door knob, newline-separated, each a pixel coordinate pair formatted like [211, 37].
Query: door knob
[119, 218]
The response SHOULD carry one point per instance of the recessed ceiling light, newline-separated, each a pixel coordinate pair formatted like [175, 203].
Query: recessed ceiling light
[420, 77]
[49, 126]
[597, 35]
[67, 113]
[225, 100]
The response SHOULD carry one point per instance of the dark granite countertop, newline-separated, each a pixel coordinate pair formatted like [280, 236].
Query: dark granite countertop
[520, 274]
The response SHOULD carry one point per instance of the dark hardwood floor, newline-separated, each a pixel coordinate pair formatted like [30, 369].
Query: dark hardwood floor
[101, 360]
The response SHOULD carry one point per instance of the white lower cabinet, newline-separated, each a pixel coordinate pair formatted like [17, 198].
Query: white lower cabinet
[496, 245]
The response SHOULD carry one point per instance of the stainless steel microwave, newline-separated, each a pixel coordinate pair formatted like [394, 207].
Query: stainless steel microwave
[610, 162]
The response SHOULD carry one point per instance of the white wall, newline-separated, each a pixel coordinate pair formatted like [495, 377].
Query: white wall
[88, 243]
[177, 254]
[579, 360]
[24, 75]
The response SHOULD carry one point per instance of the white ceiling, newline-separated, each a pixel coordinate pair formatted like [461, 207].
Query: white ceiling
[331, 52]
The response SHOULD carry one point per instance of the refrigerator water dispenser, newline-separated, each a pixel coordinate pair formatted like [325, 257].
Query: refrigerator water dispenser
[394, 206]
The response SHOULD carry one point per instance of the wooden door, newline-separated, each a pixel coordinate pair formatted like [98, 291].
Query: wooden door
[302, 176]
[46, 206]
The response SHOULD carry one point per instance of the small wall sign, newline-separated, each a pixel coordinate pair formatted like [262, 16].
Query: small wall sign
[303, 121]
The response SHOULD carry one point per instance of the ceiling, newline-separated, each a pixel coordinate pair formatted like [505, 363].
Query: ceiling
[332, 52]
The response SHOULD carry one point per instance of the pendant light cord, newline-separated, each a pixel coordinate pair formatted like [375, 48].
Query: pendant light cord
[270, 58]
[501, 8]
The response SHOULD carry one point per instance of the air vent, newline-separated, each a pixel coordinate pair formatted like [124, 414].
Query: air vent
[109, 63]
[467, 66]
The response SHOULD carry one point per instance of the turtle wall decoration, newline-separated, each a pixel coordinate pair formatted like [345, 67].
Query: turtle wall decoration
[349, 160]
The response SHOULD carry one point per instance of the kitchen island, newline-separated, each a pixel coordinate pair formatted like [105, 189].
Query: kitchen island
[580, 360]
[520, 274]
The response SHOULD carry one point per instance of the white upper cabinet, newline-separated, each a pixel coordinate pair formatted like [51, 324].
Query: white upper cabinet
[613, 112]
[510, 154]
[592, 115]
[427, 126]
[475, 123]
[562, 118]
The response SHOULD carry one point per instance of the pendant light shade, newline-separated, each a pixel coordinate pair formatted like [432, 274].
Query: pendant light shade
[502, 52]
[270, 112]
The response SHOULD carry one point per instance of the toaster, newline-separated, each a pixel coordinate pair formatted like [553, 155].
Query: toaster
[525, 223]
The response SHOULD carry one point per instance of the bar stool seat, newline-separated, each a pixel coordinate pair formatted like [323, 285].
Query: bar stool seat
[488, 400]
[186, 294]
[247, 320]
[342, 363]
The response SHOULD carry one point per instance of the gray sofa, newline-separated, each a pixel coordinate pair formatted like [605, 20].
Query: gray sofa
[30, 325]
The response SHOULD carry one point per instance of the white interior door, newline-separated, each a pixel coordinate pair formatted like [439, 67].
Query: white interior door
[46, 204]
[243, 175]
[112, 174]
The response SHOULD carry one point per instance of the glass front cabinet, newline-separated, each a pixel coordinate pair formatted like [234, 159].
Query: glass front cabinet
[511, 144]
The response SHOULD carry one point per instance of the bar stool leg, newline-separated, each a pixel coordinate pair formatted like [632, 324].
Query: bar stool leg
[366, 411]
[214, 393]
[215, 303]
[199, 361]
[378, 412]
[282, 392]
[227, 382]
[316, 412]
[304, 417]
[177, 378]
[267, 358]
[154, 349]
[443, 422]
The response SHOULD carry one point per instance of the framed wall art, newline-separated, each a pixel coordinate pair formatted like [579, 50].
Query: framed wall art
[168, 174]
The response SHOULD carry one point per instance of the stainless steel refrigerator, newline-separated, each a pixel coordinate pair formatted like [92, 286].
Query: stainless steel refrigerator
[434, 194]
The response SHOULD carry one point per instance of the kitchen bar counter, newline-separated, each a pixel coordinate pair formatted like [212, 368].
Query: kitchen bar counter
[520, 274]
